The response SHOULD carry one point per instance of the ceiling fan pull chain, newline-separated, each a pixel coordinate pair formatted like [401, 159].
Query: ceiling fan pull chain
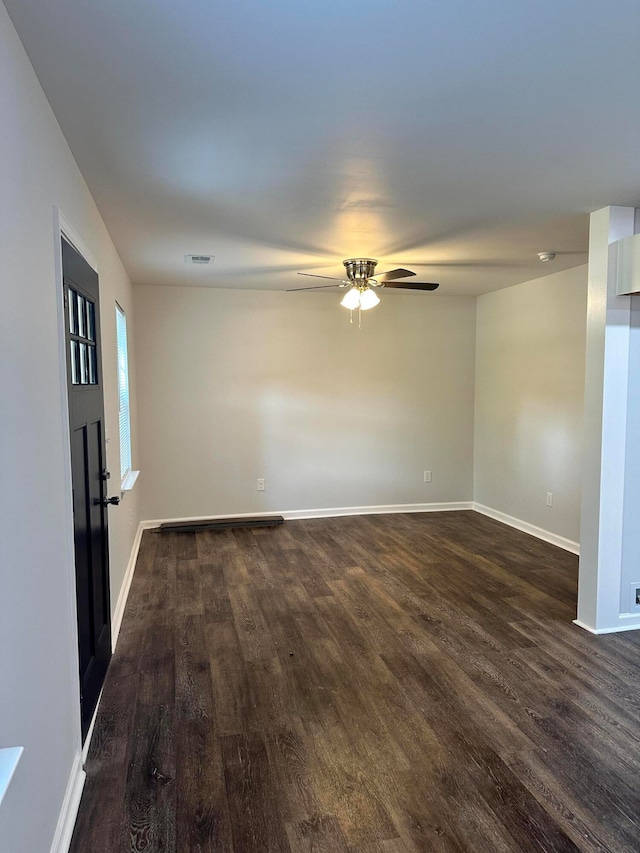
[359, 316]
[351, 317]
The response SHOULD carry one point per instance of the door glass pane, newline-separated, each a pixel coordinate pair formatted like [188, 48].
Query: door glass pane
[82, 331]
[93, 377]
[84, 368]
[74, 355]
[91, 321]
[73, 316]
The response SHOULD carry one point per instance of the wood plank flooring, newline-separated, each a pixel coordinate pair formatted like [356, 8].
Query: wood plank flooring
[372, 684]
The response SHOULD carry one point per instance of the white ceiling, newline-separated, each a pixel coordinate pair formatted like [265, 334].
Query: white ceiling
[453, 137]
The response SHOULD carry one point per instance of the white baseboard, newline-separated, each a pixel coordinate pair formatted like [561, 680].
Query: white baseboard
[118, 613]
[330, 512]
[69, 810]
[87, 740]
[334, 512]
[525, 527]
[625, 624]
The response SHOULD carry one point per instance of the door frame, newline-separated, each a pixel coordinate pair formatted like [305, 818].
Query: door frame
[62, 228]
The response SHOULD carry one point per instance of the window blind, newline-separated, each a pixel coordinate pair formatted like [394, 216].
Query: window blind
[123, 393]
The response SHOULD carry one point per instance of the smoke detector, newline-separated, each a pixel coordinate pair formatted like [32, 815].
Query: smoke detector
[200, 260]
[546, 256]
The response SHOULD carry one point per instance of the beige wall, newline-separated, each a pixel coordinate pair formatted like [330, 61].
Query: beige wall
[240, 385]
[39, 699]
[529, 400]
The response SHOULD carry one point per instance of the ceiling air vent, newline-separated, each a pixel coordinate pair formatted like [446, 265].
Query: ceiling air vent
[200, 260]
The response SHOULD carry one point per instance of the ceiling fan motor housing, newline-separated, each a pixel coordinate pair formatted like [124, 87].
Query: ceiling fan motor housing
[359, 270]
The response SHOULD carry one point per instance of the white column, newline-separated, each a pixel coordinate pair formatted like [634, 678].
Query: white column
[609, 524]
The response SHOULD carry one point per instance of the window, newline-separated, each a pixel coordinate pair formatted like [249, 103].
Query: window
[123, 393]
[82, 339]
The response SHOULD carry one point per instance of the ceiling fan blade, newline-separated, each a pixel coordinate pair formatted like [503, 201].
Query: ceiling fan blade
[313, 275]
[391, 274]
[316, 287]
[414, 285]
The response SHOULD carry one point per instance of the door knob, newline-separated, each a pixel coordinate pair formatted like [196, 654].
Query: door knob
[110, 501]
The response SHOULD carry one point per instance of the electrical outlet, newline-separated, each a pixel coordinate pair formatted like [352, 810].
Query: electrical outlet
[549, 498]
[634, 597]
[261, 485]
[427, 476]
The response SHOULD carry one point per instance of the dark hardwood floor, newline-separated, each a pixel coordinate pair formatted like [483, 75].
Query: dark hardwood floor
[371, 684]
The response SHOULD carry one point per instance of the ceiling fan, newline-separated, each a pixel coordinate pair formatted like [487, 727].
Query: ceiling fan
[361, 279]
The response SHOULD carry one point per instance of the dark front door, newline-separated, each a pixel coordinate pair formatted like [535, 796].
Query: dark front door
[89, 475]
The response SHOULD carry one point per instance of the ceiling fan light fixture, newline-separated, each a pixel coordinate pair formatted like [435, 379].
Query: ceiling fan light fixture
[368, 299]
[351, 299]
[363, 281]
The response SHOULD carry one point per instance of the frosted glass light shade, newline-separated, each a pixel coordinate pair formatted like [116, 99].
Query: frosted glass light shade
[351, 299]
[368, 299]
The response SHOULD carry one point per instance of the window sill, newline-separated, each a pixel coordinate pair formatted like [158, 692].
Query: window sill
[9, 759]
[129, 481]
